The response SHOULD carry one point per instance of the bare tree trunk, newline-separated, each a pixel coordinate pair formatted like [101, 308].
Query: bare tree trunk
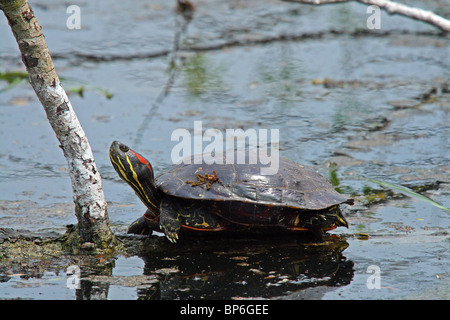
[90, 204]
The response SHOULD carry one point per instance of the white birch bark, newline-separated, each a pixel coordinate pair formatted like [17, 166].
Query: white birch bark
[90, 203]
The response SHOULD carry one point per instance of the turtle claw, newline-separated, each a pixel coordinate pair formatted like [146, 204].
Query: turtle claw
[171, 236]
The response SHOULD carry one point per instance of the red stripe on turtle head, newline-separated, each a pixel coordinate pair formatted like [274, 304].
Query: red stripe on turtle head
[142, 160]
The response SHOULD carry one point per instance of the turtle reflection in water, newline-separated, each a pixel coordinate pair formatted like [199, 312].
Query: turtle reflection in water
[229, 197]
[245, 267]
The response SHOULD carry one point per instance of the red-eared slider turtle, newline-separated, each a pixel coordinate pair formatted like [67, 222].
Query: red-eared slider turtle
[229, 197]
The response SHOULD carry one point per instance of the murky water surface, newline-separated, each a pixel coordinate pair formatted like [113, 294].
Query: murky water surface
[348, 104]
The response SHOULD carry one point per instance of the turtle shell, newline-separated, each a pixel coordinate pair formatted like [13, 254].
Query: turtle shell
[293, 186]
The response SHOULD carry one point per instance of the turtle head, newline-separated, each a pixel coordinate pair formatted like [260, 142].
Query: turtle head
[137, 171]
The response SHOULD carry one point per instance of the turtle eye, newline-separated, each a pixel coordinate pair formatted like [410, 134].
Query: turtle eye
[123, 148]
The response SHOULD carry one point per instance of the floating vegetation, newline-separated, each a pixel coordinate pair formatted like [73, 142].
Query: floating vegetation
[13, 78]
[81, 86]
[406, 191]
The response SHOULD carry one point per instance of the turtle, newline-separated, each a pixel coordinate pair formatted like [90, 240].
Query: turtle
[192, 197]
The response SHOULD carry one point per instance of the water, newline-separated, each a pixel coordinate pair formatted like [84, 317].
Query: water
[270, 75]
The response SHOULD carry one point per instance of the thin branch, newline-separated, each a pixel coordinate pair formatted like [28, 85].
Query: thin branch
[393, 8]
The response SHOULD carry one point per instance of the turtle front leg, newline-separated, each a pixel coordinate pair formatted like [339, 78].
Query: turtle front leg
[145, 224]
[169, 221]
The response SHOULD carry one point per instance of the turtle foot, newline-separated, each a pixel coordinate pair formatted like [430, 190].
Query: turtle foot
[172, 236]
[169, 221]
[140, 226]
[170, 227]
